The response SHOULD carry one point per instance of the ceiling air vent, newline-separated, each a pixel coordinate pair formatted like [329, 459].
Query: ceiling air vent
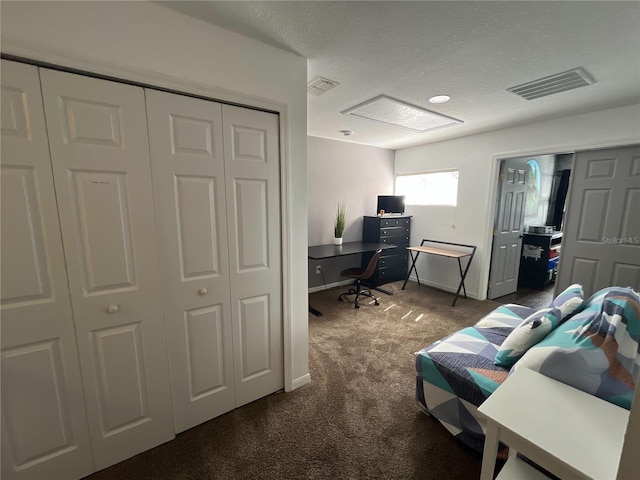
[320, 85]
[560, 82]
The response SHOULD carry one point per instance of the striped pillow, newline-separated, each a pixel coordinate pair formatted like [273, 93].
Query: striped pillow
[532, 329]
[569, 301]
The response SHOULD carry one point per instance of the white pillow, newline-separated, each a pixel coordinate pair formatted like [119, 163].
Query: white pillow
[532, 329]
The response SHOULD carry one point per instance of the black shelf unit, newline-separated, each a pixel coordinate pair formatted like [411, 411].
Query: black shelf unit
[539, 260]
[393, 263]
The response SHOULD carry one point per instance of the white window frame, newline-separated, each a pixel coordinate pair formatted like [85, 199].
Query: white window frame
[436, 195]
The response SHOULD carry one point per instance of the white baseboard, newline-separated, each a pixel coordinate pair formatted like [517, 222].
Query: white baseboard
[300, 381]
[331, 285]
[446, 288]
[439, 286]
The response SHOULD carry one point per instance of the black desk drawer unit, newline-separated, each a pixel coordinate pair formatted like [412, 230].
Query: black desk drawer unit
[393, 263]
[391, 222]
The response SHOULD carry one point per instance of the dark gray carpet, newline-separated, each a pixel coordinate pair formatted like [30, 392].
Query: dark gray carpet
[530, 297]
[356, 420]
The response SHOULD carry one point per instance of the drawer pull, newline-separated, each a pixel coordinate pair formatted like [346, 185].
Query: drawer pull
[113, 308]
[203, 291]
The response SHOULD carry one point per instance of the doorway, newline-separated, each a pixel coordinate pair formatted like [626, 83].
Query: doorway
[528, 224]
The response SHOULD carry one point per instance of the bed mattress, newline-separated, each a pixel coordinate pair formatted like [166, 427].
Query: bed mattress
[456, 374]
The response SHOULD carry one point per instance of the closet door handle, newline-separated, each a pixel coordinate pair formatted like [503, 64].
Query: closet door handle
[113, 308]
[203, 291]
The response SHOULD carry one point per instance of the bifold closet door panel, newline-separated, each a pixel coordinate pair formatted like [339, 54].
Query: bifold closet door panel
[252, 173]
[102, 173]
[44, 426]
[188, 178]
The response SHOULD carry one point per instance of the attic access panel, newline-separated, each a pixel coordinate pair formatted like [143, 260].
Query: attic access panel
[390, 111]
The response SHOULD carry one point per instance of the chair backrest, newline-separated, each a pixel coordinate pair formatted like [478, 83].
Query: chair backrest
[371, 266]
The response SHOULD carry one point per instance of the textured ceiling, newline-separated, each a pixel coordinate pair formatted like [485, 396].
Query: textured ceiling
[471, 51]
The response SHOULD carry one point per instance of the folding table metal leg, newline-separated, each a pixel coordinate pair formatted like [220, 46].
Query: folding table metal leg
[413, 267]
[463, 275]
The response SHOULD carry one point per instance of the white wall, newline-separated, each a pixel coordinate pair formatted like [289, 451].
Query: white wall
[148, 43]
[343, 172]
[477, 157]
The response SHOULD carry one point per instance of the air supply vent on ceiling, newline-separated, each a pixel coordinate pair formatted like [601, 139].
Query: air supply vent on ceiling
[560, 82]
[320, 85]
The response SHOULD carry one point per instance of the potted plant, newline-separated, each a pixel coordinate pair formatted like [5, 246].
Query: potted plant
[341, 218]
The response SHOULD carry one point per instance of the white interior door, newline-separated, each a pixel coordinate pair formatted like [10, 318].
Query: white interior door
[508, 228]
[99, 150]
[252, 175]
[44, 427]
[601, 240]
[188, 178]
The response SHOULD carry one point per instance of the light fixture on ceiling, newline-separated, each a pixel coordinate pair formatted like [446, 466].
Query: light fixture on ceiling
[440, 99]
[387, 110]
[346, 133]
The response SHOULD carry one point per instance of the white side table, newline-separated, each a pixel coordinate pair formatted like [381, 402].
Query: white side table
[566, 431]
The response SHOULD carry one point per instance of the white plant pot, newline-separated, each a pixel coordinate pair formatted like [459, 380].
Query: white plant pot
[337, 240]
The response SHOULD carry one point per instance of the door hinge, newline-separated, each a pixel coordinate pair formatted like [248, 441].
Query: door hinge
[501, 177]
[495, 232]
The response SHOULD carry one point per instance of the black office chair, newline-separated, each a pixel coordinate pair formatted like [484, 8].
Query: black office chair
[360, 274]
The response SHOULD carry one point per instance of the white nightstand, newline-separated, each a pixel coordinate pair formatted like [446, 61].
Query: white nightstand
[568, 432]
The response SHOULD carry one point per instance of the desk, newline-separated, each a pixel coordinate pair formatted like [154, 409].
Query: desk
[320, 252]
[570, 433]
[442, 252]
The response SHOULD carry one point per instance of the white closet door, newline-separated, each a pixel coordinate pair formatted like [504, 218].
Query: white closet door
[188, 177]
[253, 210]
[44, 429]
[99, 149]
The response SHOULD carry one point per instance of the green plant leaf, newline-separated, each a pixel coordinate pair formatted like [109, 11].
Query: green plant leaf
[341, 219]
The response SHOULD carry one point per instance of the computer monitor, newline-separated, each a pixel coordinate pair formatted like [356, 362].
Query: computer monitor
[391, 204]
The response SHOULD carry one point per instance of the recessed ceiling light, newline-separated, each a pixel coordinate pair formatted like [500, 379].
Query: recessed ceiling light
[440, 99]
[346, 133]
[383, 109]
